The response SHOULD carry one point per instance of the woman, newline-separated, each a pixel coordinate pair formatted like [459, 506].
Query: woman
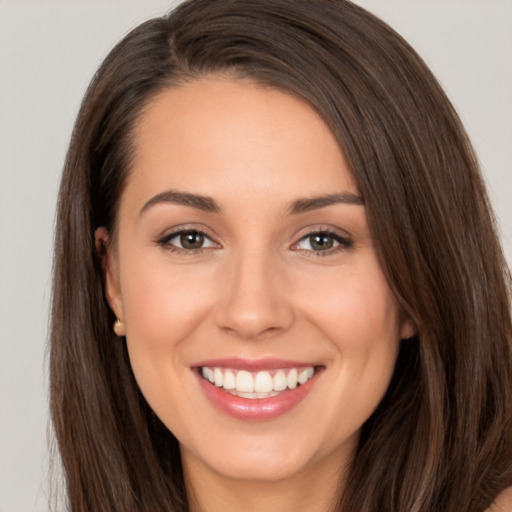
[277, 280]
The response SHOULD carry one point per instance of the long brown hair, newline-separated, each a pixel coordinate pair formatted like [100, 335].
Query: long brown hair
[441, 439]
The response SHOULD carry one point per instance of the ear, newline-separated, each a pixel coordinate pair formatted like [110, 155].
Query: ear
[407, 326]
[111, 285]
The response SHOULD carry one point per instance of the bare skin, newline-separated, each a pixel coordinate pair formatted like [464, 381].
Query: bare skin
[312, 491]
[503, 502]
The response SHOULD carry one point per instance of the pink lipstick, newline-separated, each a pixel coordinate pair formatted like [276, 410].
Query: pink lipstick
[256, 389]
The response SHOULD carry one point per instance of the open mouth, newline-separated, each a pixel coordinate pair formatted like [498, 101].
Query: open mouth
[257, 385]
[257, 389]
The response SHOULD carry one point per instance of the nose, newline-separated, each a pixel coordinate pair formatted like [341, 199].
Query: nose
[255, 303]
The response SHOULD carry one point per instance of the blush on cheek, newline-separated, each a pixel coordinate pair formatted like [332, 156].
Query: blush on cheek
[152, 306]
[353, 317]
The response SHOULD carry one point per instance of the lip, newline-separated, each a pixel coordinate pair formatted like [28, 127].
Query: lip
[256, 409]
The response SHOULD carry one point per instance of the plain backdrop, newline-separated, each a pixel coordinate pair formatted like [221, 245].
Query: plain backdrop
[49, 50]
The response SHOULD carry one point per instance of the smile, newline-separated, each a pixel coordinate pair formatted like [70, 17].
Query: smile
[256, 391]
[257, 385]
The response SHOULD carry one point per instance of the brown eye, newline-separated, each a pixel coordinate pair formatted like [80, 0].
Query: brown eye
[191, 240]
[188, 240]
[322, 241]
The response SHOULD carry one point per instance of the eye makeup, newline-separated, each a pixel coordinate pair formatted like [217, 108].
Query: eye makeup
[188, 240]
[319, 241]
[322, 242]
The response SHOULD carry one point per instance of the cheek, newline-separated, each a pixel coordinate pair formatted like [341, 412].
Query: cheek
[359, 318]
[356, 309]
[161, 304]
[162, 308]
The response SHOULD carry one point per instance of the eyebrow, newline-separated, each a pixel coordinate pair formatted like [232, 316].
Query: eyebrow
[204, 203]
[315, 203]
[209, 204]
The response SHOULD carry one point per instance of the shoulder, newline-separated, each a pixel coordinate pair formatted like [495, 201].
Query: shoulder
[503, 503]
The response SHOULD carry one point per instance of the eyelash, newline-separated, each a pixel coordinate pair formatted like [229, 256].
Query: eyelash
[165, 241]
[343, 243]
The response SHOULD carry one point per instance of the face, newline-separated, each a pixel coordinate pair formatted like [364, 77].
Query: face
[259, 324]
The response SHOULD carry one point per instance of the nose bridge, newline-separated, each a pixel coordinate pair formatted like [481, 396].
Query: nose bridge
[255, 302]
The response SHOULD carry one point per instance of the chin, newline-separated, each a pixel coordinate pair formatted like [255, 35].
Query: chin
[267, 456]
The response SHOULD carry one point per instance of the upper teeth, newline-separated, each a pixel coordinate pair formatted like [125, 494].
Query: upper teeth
[258, 382]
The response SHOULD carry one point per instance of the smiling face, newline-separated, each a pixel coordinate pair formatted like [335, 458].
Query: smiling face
[243, 257]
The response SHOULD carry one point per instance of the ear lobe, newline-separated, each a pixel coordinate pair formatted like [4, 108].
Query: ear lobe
[110, 271]
[407, 326]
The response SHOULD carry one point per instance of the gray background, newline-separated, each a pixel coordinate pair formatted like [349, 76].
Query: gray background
[49, 50]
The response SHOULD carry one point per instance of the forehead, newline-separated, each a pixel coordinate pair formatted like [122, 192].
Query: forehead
[226, 137]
